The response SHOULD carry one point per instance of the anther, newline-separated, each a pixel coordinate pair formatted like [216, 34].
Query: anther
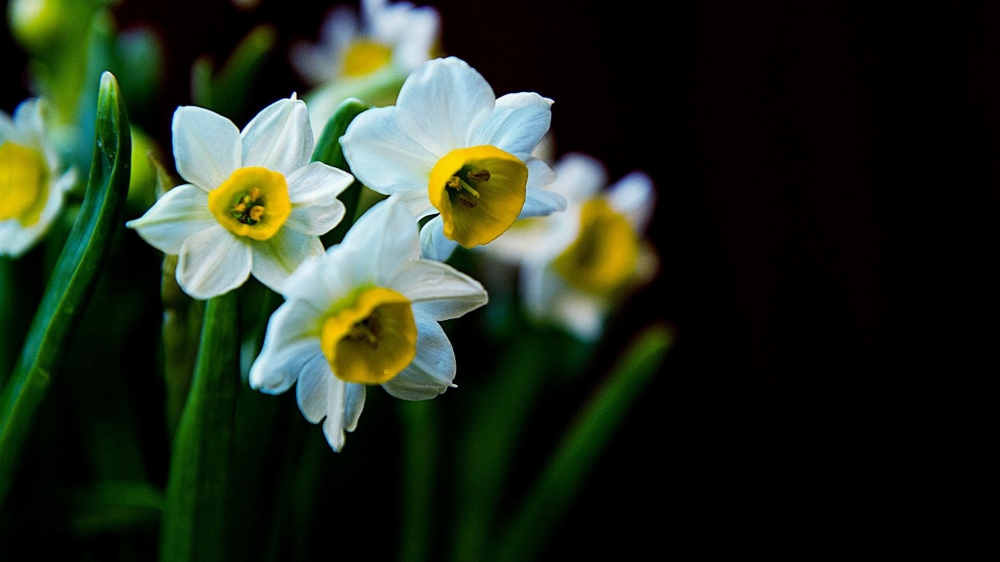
[480, 175]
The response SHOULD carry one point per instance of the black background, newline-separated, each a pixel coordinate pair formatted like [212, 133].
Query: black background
[827, 223]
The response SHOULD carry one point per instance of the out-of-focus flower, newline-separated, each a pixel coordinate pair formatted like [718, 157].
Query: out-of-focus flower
[451, 147]
[254, 203]
[365, 313]
[578, 265]
[366, 55]
[32, 185]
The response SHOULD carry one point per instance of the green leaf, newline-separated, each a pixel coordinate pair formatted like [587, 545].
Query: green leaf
[116, 506]
[226, 92]
[329, 151]
[72, 280]
[421, 451]
[559, 482]
[195, 511]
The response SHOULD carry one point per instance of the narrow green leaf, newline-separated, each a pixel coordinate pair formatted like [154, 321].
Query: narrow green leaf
[233, 82]
[195, 514]
[201, 82]
[72, 280]
[559, 482]
[329, 151]
[116, 506]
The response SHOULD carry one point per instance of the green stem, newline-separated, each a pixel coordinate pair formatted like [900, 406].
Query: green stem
[559, 482]
[420, 452]
[195, 515]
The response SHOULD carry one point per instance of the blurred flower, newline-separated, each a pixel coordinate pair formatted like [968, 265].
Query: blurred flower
[254, 204]
[32, 185]
[366, 312]
[451, 147]
[576, 266]
[359, 56]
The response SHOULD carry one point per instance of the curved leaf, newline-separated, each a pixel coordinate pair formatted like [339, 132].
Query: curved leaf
[73, 277]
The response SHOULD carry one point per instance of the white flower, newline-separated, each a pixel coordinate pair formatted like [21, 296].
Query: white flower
[449, 146]
[577, 265]
[254, 204]
[366, 312]
[32, 186]
[356, 55]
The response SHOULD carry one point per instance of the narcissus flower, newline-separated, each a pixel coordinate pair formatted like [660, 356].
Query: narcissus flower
[32, 184]
[577, 265]
[450, 146]
[365, 55]
[254, 204]
[365, 313]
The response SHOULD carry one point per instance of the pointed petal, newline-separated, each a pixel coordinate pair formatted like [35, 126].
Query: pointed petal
[516, 124]
[434, 245]
[292, 340]
[212, 262]
[321, 395]
[438, 290]
[383, 157]
[633, 196]
[354, 403]
[386, 236]
[179, 214]
[540, 175]
[313, 190]
[206, 146]
[441, 103]
[319, 280]
[431, 371]
[579, 177]
[581, 314]
[279, 137]
[275, 259]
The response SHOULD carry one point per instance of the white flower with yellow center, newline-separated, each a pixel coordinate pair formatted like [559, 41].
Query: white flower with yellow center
[450, 146]
[577, 265]
[32, 186]
[356, 54]
[254, 203]
[365, 313]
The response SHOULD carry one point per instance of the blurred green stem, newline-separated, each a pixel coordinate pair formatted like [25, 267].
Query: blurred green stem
[195, 515]
[560, 481]
[421, 449]
[500, 415]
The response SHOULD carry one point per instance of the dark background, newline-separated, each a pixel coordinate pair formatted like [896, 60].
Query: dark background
[827, 224]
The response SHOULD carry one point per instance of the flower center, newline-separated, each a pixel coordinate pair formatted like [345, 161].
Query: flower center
[604, 254]
[371, 338]
[253, 202]
[479, 192]
[364, 57]
[24, 183]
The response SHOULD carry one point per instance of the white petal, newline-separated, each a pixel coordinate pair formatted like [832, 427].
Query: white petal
[517, 123]
[539, 285]
[29, 121]
[321, 395]
[633, 196]
[383, 157]
[7, 130]
[206, 146]
[354, 403]
[417, 39]
[540, 174]
[320, 280]
[179, 214]
[438, 290]
[212, 262]
[292, 339]
[276, 258]
[386, 237]
[279, 138]
[581, 314]
[541, 202]
[579, 177]
[432, 370]
[441, 103]
[313, 190]
[434, 245]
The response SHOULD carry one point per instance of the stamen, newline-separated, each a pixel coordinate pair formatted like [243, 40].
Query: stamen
[256, 212]
[480, 175]
[367, 330]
